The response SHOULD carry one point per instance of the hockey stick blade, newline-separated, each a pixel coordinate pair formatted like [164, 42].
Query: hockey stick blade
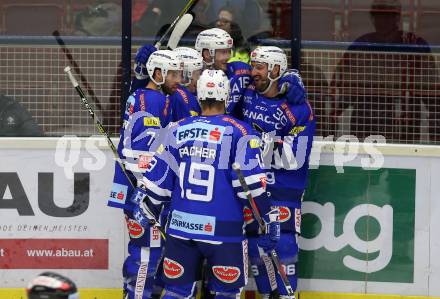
[187, 8]
[179, 31]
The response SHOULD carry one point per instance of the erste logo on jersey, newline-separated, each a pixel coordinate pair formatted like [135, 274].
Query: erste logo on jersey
[135, 230]
[192, 223]
[118, 193]
[172, 269]
[200, 131]
[226, 274]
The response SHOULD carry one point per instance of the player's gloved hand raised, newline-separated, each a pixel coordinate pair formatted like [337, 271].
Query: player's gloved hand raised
[291, 86]
[269, 240]
[145, 214]
[140, 61]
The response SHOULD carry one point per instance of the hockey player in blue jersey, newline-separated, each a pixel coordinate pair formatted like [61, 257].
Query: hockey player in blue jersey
[287, 127]
[184, 101]
[206, 218]
[147, 111]
[215, 46]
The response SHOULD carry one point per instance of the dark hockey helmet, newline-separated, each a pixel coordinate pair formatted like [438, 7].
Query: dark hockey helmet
[50, 285]
[386, 6]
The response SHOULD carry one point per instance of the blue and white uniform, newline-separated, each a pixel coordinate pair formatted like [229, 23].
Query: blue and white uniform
[239, 74]
[287, 133]
[147, 111]
[184, 104]
[207, 201]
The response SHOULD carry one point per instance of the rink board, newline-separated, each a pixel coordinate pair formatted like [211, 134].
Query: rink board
[376, 237]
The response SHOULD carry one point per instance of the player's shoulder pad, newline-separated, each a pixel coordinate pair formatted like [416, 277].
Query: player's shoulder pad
[238, 125]
[298, 114]
[181, 94]
[238, 68]
[184, 121]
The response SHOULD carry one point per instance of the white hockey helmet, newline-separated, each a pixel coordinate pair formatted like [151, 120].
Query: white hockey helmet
[213, 84]
[165, 60]
[213, 39]
[192, 61]
[272, 56]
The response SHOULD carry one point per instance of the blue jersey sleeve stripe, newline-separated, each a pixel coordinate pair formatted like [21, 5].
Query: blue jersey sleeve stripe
[156, 199]
[254, 193]
[156, 189]
[252, 179]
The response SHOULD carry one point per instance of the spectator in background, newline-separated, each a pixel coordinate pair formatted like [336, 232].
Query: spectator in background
[381, 88]
[139, 7]
[251, 16]
[236, 6]
[257, 23]
[15, 121]
[225, 21]
[158, 14]
[104, 18]
[51, 285]
[198, 24]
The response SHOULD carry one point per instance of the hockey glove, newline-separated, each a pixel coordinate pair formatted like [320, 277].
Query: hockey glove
[146, 214]
[269, 240]
[140, 61]
[291, 86]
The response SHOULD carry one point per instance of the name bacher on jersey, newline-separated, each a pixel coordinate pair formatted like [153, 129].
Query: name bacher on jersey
[201, 150]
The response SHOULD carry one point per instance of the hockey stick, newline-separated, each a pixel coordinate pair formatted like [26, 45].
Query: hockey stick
[187, 7]
[273, 254]
[179, 30]
[76, 68]
[102, 130]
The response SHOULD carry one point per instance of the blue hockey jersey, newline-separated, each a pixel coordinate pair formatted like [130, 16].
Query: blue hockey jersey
[195, 173]
[287, 133]
[184, 104]
[239, 74]
[147, 112]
